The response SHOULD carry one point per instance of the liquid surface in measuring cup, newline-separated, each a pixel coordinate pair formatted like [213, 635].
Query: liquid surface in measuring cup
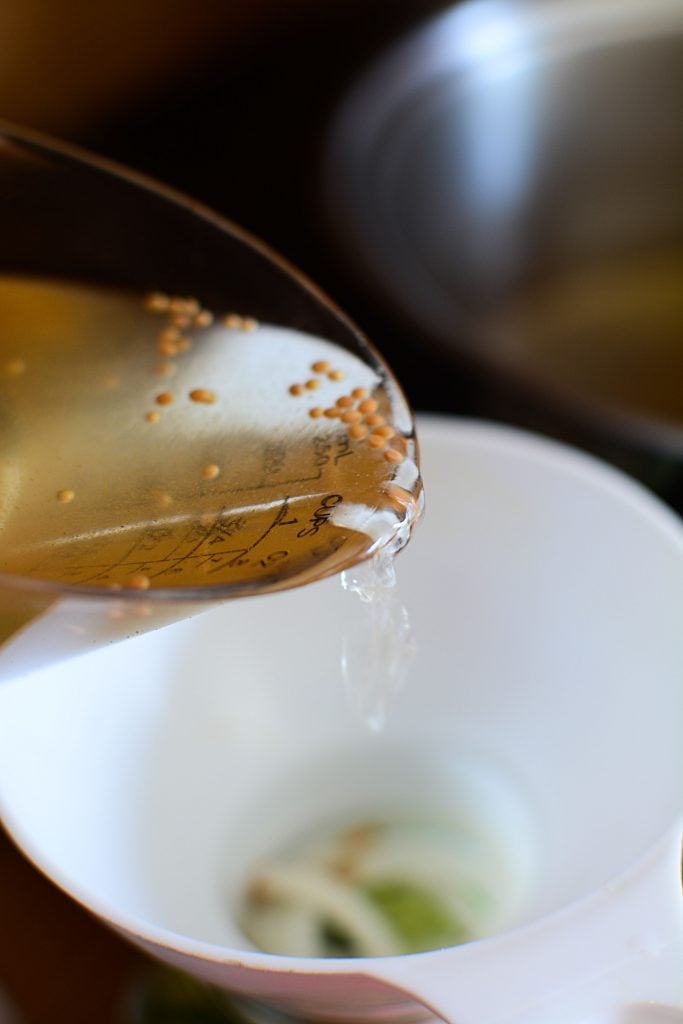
[150, 443]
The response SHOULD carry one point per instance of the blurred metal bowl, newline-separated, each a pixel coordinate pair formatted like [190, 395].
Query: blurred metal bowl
[510, 177]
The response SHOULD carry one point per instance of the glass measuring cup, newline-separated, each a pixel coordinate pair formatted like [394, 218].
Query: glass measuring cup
[185, 418]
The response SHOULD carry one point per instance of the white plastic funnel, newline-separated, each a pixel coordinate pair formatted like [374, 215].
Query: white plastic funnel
[545, 706]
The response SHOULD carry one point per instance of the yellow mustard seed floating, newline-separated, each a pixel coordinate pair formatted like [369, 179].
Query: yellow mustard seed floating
[313, 384]
[167, 348]
[391, 455]
[167, 342]
[204, 318]
[375, 420]
[316, 412]
[321, 366]
[210, 472]
[368, 406]
[66, 496]
[332, 412]
[359, 393]
[139, 582]
[384, 430]
[375, 441]
[203, 395]
[164, 398]
[183, 306]
[344, 401]
[157, 302]
[351, 416]
[152, 417]
[336, 375]
[296, 389]
[357, 431]
[240, 323]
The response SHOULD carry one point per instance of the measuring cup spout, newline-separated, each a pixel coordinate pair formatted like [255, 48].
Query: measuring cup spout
[619, 947]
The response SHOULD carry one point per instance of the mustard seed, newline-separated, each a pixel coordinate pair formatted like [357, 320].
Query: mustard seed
[167, 342]
[296, 389]
[336, 375]
[316, 412]
[345, 401]
[391, 455]
[157, 302]
[375, 420]
[313, 384]
[152, 417]
[203, 395]
[375, 441]
[204, 318]
[167, 348]
[351, 416]
[359, 393]
[332, 412]
[66, 496]
[210, 472]
[384, 430]
[240, 323]
[183, 306]
[357, 431]
[169, 334]
[164, 398]
[368, 406]
[139, 582]
[321, 366]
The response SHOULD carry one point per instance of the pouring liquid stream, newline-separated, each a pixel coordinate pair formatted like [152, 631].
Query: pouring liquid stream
[377, 655]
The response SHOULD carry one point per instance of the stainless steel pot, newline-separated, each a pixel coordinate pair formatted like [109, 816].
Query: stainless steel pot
[510, 178]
